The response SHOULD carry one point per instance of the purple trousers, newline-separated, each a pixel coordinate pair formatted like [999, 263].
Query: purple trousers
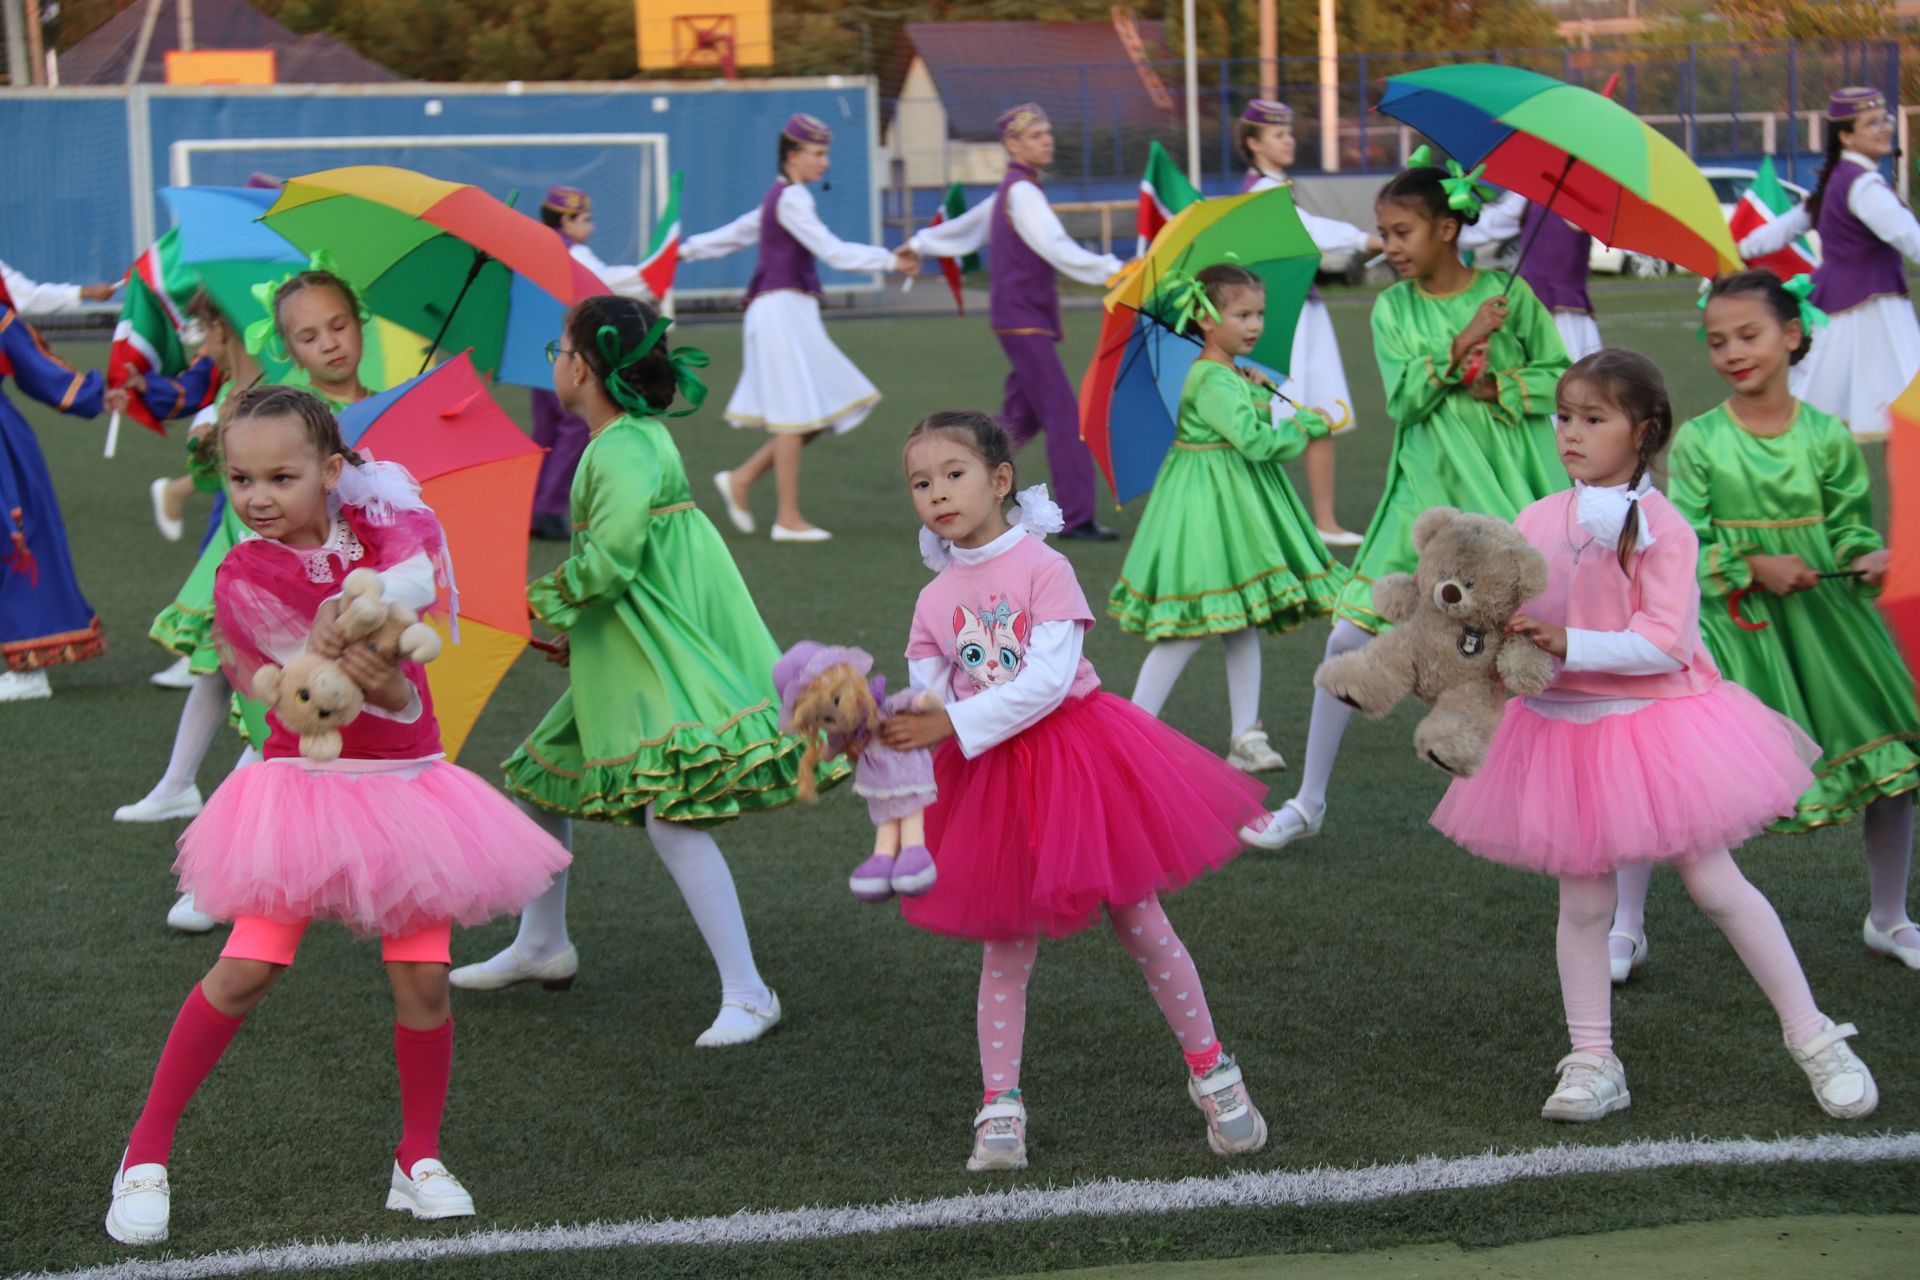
[1040, 398]
[564, 437]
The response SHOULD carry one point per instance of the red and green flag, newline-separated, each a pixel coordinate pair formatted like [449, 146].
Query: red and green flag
[1164, 191]
[1761, 204]
[662, 259]
[147, 340]
[952, 205]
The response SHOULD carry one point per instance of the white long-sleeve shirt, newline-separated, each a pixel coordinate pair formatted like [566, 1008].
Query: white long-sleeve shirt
[1498, 221]
[31, 297]
[1033, 217]
[624, 280]
[801, 218]
[1870, 199]
[1330, 235]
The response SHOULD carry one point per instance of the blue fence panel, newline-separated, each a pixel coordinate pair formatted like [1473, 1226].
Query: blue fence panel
[66, 205]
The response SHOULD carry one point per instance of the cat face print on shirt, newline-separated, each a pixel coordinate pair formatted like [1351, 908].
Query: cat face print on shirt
[991, 644]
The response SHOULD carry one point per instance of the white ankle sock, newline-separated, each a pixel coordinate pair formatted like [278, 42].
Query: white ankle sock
[204, 711]
[1243, 679]
[1888, 828]
[700, 870]
[1164, 663]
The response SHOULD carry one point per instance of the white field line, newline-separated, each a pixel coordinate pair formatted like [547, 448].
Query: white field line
[1105, 1199]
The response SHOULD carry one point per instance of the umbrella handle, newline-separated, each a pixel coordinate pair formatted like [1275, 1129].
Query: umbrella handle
[473, 273]
[1733, 610]
[544, 646]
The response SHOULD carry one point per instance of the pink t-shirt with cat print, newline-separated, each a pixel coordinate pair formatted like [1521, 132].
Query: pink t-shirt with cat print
[979, 617]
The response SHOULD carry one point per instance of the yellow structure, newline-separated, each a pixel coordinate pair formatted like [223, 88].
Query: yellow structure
[221, 66]
[722, 34]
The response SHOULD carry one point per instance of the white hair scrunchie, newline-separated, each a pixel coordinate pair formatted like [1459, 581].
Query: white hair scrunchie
[1035, 512]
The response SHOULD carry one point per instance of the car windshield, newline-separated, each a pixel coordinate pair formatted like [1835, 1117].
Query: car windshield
[1728, 188]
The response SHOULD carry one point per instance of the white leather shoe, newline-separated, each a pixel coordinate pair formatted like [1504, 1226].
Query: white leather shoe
[1280, 832]
[1591, 1088]
[1882, 943]
[1624, 969]
[21, 686]
[759, 1021]
[816, 534]
[188, 918]
[142, 1203]
[1251, 752]
[509, 969]
[170, 529]
[177, 676]
[1842, 1085]
[741, 518]
[1344, 538]
[157, 808]
[428, 1191]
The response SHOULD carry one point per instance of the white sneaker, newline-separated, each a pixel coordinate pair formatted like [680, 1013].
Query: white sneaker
[1622, 968]
[741, 1030]
[1235, 1126]
[170, 529]
[741, 518]
[1885, 942]
[20, 686]
[1290, 822]
[158, 808]
[188, 918]
[816, 534]
[1591, 1088]
[141, 1204]
[1252, 753]
[1000, 1135]
[429, 1191]
[177, 676]
[508, 968]
[1842, 1085]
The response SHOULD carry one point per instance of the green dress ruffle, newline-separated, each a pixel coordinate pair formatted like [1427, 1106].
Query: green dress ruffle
[1449, 449]
[1225, 543]
[1825, 658]
[670, 699]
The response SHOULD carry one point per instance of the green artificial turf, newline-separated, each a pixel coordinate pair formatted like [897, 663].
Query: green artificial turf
[1389, 996]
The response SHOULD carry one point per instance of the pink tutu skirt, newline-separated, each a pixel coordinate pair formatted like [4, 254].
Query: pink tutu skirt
[386, 852]
[1098, 803]
[1678, 777]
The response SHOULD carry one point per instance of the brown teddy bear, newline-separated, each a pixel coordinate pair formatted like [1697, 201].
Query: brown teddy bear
[312, 696]
[1448, 645]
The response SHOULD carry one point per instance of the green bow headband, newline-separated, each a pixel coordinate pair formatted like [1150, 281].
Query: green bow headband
[263, 335]
[683, 361]
[1464, 192]
[1801, 289]
[1180, 298]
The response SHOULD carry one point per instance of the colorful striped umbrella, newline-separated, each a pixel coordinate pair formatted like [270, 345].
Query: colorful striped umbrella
[443, 259]
[477, 471]
[1590, 159]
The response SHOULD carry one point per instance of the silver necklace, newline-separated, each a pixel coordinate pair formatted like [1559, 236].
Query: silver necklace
[1572, 498]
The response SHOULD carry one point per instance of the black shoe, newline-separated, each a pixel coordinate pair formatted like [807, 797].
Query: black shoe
[1090, 532]
[551, 528]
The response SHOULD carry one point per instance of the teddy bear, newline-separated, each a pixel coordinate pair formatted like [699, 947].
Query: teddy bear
[312, 696]
[825, 693]
[1449, 646]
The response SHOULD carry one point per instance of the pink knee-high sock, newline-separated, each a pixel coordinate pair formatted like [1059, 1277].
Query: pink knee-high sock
[425, 1060]
[1001, 1017]
[1144, 931]
[1753, 927]
[1580, 945]
[201, 1033]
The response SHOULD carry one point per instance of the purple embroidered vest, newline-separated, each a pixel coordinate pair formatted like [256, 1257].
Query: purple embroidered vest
[784, 261]
[1253, 179]
[1025, 298]
[1556, 262]
[1855, 264]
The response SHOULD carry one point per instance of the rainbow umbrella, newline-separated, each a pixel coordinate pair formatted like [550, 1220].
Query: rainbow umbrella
[441, 258]
[477, 471]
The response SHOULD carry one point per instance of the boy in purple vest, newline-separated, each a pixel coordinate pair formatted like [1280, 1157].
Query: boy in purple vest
[1026, 245]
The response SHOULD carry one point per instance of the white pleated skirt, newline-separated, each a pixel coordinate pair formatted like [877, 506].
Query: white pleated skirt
[792, 377]
[1860, 363]
[1578, 332]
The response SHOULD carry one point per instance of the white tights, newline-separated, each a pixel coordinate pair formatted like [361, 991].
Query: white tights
[1324, 731]
[1167, 659]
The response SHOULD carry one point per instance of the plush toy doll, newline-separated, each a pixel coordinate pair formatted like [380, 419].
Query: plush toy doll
[825, 693]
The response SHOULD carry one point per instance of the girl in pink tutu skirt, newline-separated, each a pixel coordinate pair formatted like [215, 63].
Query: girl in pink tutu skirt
[1056, 800]
[387, 839]
[1638, 752]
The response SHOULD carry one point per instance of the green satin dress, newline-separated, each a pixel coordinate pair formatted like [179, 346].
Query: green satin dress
[1225, 543]
[1450, 449]
[670, 699]
[1826, 658]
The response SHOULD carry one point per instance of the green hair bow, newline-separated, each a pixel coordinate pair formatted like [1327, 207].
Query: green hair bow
[263, 335]
[1464, 192]
[1811, 317]
[683, 361]
[1180, 298]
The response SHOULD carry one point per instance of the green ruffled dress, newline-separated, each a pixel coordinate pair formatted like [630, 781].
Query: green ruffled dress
[1225, 543]
[1450, 449]
[671, 699]
[1825, 658]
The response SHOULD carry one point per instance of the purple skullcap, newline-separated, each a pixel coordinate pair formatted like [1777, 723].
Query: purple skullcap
[265, 182]
[1267, 111]
[802, 127]
[1021, 118]
[563, 199]
[1853, 102]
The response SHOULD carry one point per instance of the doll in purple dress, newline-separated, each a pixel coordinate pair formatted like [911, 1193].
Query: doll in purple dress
[826, 690]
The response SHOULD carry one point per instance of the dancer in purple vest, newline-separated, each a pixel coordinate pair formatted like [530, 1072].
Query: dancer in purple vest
[1871, 349]
[1025, 246]
[569, 211]
[1264, 136]
[794, 383]
[1555, 266]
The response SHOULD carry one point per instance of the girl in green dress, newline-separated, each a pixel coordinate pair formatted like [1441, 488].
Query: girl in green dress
[670, 718]
[1256, 562]
[1778, 492]
[1470, 360]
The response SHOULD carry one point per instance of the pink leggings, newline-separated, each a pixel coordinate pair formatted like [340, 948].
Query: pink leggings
[276, 942]
[1730, 901]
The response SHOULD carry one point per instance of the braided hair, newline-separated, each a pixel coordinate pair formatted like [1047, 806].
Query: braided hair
[313, 414]
[1632, 384]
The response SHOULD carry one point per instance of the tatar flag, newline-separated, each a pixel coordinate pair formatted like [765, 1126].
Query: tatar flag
[662, 258]
[1164, 191]
[952, 205]
[147, 340]
[1761, 203]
